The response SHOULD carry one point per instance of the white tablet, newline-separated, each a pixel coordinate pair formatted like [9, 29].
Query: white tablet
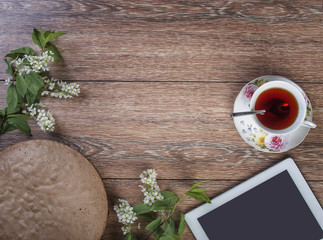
[276, 204]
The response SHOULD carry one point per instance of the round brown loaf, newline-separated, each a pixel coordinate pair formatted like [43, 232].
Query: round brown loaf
[50, 191]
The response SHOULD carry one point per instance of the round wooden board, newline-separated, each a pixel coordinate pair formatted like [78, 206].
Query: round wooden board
[50, 191]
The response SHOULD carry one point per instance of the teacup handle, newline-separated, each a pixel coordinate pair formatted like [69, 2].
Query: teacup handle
[309, 124]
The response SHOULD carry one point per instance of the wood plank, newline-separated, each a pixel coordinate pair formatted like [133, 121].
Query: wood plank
[124, 40]
[158, 81]
[174, 10]
[123, 128]
[128, 189]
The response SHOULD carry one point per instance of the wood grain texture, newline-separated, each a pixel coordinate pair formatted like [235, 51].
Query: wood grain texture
[203, 40]
[158, 81]
[185, 127]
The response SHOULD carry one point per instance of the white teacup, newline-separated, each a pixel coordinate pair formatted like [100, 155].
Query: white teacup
[302, 107]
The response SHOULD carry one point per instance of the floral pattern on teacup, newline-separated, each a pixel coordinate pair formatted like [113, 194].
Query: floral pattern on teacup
[308, 116]
[248, 92]
[262, 140]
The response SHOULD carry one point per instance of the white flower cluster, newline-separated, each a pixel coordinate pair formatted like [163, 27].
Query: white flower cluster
[60, 89]
[44, 119]
[36, 64]
[125, 214]
[151, 189]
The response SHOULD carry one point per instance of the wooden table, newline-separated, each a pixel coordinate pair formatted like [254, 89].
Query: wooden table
[158, 81]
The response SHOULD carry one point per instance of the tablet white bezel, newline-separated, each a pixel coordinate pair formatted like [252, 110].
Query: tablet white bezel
[288, 164]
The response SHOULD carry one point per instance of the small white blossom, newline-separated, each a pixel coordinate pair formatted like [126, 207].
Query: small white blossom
[44, 119]
[18, 62]
[60, 89]
[125, 229]
[151, 189]
[7, 82]
[37, 66]
[125, 214]
[45, 93]
[51, 86]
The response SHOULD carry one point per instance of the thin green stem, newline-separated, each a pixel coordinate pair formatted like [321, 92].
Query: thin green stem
[168, 216]
[173, 210]
[2, 121]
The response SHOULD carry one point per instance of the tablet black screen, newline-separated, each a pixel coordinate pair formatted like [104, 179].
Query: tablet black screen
[273, 210]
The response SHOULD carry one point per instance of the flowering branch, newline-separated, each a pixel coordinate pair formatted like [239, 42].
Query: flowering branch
[126, 215]
[158, 207]
[27, 85]
[59, 89]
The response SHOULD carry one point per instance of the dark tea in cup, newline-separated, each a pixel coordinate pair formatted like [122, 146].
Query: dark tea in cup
[285, 107]
[281, 108]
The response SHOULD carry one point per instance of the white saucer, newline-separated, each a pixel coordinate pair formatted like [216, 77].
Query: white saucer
[257, 137]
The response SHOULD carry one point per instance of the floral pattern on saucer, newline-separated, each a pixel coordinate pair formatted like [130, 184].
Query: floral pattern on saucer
[276, 143]
[263, 140]
[257, 137]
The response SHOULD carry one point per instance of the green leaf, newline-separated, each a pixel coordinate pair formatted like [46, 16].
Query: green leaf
[152, 226]
[181, 226]
[198, 195]
[38, 96]
[57, 56]
[146, 215]
[161, 205]
[34, 82]
[20, 124]
[47, 33]
[22, 51]
[12, 98]
[23, 117]
[196, 185]
[42, 37]
[20, 98]
[169, 226]
[52, 35]
[169, 194]
[6, 127]
[21, 85]
[10, 128]
[170, 237]
[170, 197]
[9, 69]
[130, 236]
[12, 55]
[197, 190]
[166, 237]
[167, 203]
[32, 86]
[30, 97]
[141, 208]
[37, 38]
[37, 78]
[13, 111]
